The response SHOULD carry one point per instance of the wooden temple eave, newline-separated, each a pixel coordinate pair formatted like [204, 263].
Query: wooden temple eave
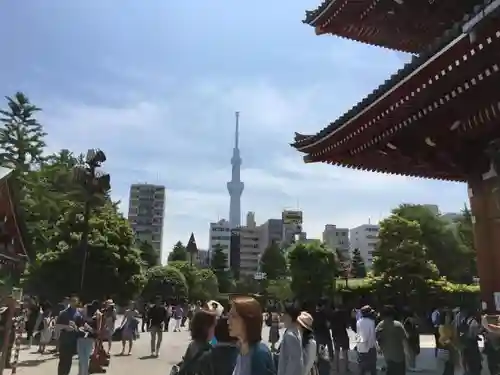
[403, 25]
[462, 108]
[422, 91]
[12, 247]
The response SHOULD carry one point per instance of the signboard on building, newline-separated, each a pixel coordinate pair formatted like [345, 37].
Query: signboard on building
[291, 217]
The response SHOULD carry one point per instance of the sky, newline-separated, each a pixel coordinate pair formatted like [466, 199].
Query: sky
[155, 84]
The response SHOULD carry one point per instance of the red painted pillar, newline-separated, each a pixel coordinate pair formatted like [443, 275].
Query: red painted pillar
[484, 195]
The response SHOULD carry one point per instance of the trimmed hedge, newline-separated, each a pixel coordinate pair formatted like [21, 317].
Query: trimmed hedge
[376, 292]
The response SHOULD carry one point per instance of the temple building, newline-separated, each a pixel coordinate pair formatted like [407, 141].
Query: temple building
[438, 117]
[13, 253]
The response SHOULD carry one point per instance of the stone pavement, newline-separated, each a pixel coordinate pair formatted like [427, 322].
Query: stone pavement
[173, 347]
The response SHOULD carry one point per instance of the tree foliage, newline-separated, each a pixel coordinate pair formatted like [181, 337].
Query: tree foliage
[178, 253]
[358, 267]
[113, 267]
[21, 136]
[218, 265]
[440, 242]
[166, 282]
[400, 259]
[53, 203]
[149, 255]
[206, 286]
[279, 290]
[313, 269]
[273, 262]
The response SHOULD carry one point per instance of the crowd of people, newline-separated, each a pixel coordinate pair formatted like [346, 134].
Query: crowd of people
[228, 339]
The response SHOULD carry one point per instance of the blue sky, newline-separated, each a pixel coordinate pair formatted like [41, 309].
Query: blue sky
[155, 84]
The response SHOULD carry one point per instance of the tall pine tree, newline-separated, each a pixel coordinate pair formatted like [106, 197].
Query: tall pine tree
[21, 136]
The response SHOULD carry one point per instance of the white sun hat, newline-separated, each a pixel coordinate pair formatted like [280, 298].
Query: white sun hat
[216, 307]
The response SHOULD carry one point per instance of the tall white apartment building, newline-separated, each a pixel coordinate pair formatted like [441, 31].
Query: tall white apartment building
[337, 239]
[250, 251]
[365, 238]
[146, 212]
[220, 234]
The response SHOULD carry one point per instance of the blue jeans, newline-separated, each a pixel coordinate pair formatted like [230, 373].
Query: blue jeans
[84, 348]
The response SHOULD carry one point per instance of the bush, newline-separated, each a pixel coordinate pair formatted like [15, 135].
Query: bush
[376, 292]
[165, 281]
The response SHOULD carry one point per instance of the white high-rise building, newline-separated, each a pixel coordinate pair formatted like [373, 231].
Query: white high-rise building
[145, 213]
[337, 239]
[220, 234]
[364, 238]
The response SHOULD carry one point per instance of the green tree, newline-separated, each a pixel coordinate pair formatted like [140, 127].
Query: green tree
[465, 234]
[439, 240]
[21, 136]
[358, 268]
[218, 264]
[247, 285]
[400, 259]
[313, 269]
[273, 262]
[178, 253]
[113, 267]
[149, 255]
[165, 281]
[206, 286]
[279, 290]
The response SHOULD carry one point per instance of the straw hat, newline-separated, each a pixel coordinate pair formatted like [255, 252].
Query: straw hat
[305, 320]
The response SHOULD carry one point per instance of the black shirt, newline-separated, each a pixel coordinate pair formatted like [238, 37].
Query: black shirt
[157, 316]
[320, 322]
[339, 322]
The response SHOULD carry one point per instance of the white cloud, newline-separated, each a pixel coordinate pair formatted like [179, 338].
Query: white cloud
[186, 145]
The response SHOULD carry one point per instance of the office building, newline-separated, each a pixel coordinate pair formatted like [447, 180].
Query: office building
[202, 259]
[220, 235]
[250, 252]
[146, 213]
[271, 232]
[292, 226]
[337, 239]
[364, 238]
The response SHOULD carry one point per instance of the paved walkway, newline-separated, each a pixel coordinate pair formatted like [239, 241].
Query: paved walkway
[173, 347]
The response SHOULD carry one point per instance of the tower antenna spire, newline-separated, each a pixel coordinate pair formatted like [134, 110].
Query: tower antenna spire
[235, 186]
[237, 130]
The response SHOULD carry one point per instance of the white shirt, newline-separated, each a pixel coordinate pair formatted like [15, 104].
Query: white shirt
[366, 339]
[435, 318]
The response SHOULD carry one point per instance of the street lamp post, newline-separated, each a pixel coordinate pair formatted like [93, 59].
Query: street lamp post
[93, 182]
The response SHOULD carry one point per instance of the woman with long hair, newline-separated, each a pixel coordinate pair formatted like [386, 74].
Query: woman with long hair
[245, 323]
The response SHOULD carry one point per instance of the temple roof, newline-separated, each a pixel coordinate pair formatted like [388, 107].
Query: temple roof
[404, 25]
[406, 71]
[440, 45]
